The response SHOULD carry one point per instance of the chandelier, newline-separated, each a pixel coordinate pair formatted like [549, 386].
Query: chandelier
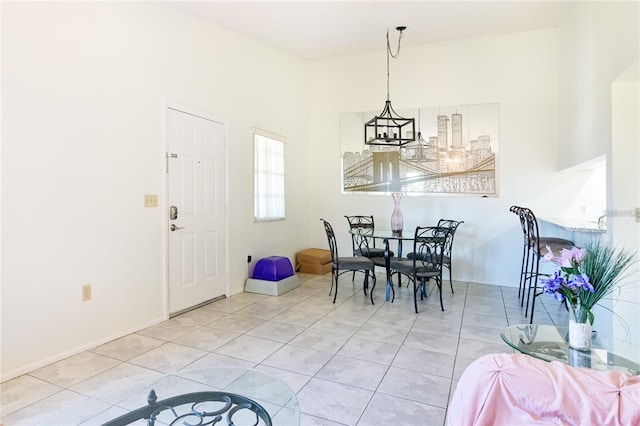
[389, 128]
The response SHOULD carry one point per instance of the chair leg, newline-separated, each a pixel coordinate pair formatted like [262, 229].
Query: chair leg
[533, 282]
[393, 293]
[526, 308]
[365, 286]
[373, 287]
[353, 277]
[528, 276]
[415, 298]
[450, 279]
[522, 271]
[331, 289]
[524, 274]
[335, 277]
[423, 289]
[533, 302]
[439, 284]
[535, 290]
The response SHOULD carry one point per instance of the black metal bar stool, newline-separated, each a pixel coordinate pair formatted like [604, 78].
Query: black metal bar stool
[534, 248]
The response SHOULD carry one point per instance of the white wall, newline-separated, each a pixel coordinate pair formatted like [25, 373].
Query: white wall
[518, 71]
[83, 87]
[625, 159]
[597, 41]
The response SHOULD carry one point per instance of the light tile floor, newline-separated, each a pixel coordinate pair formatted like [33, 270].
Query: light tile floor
[350, 363]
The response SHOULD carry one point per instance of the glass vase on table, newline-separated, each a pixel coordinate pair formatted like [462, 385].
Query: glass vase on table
[397, 221]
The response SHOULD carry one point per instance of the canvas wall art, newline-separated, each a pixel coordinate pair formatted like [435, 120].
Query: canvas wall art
[455, 154]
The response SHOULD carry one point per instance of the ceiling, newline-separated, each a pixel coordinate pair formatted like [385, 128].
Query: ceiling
[317, 29]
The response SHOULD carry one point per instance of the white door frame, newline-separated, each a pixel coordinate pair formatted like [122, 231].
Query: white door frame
[165, 199]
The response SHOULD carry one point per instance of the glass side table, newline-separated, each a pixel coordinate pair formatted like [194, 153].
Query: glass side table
[236, 395]
[550, 343]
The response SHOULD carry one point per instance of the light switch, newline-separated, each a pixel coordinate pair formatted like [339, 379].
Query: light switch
[151, 200]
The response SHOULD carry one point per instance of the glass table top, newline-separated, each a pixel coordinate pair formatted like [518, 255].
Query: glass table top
[384, 233]
[268, 392]
[550, 343]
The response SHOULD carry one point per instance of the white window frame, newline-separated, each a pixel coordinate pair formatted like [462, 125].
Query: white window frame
[268, 176]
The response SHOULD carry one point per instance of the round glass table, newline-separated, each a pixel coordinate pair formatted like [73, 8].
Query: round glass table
[550, 343]
[221, 396]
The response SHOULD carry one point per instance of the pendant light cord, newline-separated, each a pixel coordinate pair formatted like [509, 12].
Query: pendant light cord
[393, 55]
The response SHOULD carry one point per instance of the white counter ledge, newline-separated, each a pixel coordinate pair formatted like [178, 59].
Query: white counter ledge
[574, 224]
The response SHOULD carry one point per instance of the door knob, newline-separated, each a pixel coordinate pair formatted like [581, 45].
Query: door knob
[173, 227]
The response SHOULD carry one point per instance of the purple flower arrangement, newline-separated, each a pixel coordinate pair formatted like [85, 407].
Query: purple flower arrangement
[586, 275]
[569, 281]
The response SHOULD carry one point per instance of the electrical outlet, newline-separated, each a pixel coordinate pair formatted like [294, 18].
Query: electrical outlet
[151, 200]
[86, 292]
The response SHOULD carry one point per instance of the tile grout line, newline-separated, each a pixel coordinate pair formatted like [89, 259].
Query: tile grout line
[344, 303]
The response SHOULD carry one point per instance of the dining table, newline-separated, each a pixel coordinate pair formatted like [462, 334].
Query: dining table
[386, 235]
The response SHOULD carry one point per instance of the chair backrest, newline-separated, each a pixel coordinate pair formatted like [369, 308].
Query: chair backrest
[360, 221]
[529, 225]
[428, 246]
[536, 243]
[452, 225]
[331, 238]
[523, 220]
[360, 242]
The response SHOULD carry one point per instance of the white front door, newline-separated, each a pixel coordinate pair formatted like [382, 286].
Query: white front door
[196, 197]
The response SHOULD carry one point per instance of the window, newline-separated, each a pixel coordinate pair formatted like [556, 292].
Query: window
[268, 185]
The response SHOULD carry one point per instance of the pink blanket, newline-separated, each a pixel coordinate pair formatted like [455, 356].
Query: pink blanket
[503, 389]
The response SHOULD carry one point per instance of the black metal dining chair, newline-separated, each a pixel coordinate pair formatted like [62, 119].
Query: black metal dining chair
[448, 249]
[534, 249]
[341, 265]
[427, 262]
[361, 228]
[526, 246]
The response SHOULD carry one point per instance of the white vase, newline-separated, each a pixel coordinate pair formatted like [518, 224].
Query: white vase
[579, 335]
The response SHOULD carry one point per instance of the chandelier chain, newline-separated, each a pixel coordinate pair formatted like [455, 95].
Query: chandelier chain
[393, 55]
